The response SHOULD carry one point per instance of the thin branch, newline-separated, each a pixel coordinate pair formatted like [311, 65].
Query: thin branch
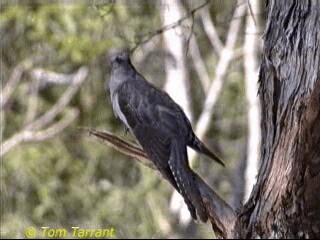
[34, 131]
[46, 118]
[199, 64]
[46, 77]
[211, 31]
[54, 129]
[251, 12]
[10, 143]
[148, 36]
[2, 124]
[146, 49]
[13, 81]
[190, 34]
[121, 145]
[221, 215]
[32, 102]
[35, 136]
[226, 56]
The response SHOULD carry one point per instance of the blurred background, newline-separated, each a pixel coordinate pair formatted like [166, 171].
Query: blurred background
[54, 64]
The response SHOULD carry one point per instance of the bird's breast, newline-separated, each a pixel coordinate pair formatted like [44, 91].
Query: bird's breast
[117, 110]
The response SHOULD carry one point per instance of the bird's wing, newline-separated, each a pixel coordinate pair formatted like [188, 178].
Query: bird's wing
[149, 107]
[156, 126]
[151, 123]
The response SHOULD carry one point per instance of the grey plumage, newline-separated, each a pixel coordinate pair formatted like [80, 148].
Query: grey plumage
[160, 126]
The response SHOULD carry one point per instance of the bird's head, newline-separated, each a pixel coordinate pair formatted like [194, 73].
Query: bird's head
[121, 68]
[118, 57]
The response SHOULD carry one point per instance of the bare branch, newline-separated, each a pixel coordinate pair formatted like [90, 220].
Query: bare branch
[204, 120]
[35, 132]
[199, 64]
[251, 68]
[46, 77]
[148, 36]
[121, 145]
[8, 144]
[13, 81]
[211, 31]
[46, 118]
[54, 129]
[251, 12]
[36, 136]
[190, 34]
[2, 124]
[32, 102]
[145, 49]
[221, 215]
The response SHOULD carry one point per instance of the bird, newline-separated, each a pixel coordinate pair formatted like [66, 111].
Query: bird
[160, 126]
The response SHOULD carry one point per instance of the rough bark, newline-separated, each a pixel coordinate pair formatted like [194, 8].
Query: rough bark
[285, 200]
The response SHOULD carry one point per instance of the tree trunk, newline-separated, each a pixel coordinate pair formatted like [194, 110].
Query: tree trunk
[251, 71]
[177, 81]
[285, 202]
[176, 66]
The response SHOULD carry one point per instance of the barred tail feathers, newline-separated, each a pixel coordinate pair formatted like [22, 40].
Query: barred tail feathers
[184, 177]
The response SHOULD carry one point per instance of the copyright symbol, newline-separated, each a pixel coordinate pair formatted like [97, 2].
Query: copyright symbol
[31, 232]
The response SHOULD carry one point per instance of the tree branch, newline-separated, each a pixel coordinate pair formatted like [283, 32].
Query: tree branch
[13, 81]
[34, 131]
[54, 129]
[251, 12]
[121, 145]
[46, 77]
[251, 68]
[42, 121]
[211, 31]
[26, 135]
[199, 64]
[177, 77]
[148, 36]
[226, 56]
[221, 215]
[32, 102]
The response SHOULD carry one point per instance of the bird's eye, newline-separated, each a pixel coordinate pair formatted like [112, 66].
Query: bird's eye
[118, 59]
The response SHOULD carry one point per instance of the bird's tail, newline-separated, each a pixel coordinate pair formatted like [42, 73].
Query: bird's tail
[184, 177]
[197, 145]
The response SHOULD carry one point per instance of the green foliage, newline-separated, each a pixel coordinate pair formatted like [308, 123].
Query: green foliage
[68, 36]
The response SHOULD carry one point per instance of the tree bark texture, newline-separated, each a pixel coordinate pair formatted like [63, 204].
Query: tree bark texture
[285, 202]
